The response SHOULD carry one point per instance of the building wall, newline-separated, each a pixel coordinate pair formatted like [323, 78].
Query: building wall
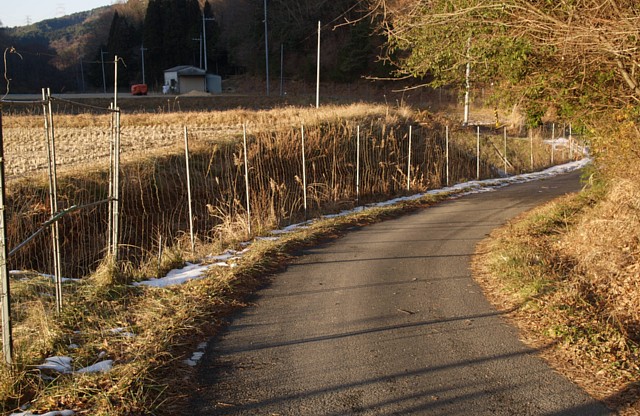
[187, 84]
[168, 76]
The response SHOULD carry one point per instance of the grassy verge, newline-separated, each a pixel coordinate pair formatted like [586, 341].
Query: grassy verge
[531, 268]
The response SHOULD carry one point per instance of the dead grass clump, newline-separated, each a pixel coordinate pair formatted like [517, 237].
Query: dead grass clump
[107, 273]
[605, 247]
[516, 121]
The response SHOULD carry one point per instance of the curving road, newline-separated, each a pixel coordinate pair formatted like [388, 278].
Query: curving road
[388, 321]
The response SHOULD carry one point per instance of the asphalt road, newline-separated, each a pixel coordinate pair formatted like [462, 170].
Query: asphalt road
[388, 321]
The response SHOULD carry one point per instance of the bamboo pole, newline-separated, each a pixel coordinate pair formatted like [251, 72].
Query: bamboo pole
[53, 198]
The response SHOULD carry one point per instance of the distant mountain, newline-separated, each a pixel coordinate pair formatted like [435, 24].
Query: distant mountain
[48, 53]
[71, 37]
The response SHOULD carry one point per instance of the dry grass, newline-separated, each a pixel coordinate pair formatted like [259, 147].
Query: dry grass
[149, 376]
[82, 140]
[605, 250]
[569, 295]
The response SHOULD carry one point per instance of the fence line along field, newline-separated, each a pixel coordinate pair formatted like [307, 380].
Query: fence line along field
[154, 192]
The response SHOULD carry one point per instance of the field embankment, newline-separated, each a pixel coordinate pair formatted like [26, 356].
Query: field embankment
[155, 209]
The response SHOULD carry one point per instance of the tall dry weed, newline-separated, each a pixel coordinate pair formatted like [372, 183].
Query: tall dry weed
[606, 249]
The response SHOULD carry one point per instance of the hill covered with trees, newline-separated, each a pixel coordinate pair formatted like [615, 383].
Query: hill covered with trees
[67, 54]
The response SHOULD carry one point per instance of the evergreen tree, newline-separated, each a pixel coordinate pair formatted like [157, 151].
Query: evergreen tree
[169, 29]
[153, 41]
[122, 41]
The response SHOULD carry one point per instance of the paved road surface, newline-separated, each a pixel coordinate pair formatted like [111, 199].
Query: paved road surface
[387, 321]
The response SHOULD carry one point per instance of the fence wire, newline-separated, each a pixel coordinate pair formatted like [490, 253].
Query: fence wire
[82, 160]
[154, 185]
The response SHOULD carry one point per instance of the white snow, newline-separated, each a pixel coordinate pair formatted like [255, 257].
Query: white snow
[194, 271]
[122, 332]
[58, 364]
[178, 276]
[99, 367]
[229, 257]
[27, 274]
[197, 355]
[62, 365]
[54, 413]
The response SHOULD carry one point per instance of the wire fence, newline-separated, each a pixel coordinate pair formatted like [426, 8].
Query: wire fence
[38, 190]
[182, 186]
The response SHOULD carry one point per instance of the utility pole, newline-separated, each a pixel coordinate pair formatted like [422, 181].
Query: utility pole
[82, 74]
[204, 34]
[199, 39]
[266, 45]
[142, 49]
[104, 79]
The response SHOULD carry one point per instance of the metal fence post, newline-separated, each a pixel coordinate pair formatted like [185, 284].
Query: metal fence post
[186, 161]
[246, 177]
[53, 196]
[478, 152]
[116, 167]
[5, 300]
[409, 163]
[358, 166]
[114, 184]
[304, 172]
[553, 141]
[446, 151]
[318, 71]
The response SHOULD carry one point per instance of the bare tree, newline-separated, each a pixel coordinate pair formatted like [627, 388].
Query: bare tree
[562, 52]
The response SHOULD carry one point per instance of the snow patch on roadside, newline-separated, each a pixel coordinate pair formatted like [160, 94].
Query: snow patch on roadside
[229, 258]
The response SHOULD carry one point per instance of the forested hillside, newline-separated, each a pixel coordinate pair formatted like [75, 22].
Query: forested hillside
[67, 54]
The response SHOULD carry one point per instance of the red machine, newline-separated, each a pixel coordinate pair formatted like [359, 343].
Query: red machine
[139, 89]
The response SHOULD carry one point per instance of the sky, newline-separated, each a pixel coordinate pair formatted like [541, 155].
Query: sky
[17, 12]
